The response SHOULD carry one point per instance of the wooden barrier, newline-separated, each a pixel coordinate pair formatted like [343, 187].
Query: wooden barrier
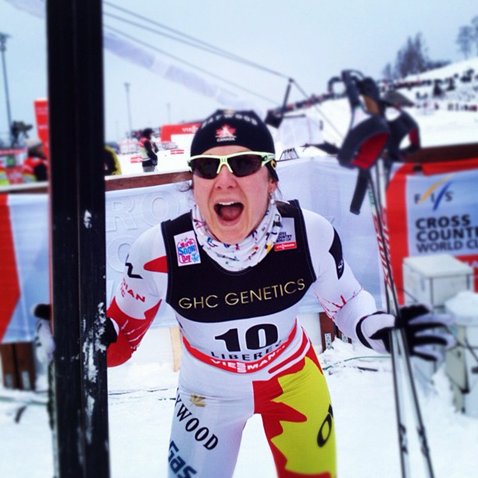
[114, 183]
[437, 154]
[18, 365]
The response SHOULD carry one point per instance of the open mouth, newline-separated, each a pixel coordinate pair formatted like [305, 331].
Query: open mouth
[228, 211]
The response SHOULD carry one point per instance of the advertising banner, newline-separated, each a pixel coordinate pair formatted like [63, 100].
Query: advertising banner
[41, 118]
[24, 270]
[178, 136]
[169, 131]
[434, 212]
[11, 160]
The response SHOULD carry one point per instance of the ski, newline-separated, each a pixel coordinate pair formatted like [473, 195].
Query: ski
[23, 398]
[132, 391]
[77, 210]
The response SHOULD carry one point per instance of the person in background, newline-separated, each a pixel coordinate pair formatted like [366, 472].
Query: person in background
[44, 350]
[235, 269]
[148, 150]
[112, 164]
[35, 167]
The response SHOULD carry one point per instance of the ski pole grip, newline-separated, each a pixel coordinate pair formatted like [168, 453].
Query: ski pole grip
[360, 190]
[371, 105]
[350, 89]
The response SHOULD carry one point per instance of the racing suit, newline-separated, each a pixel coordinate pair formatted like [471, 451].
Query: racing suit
[243, 349]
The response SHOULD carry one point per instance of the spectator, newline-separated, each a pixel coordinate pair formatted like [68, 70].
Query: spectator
[148, 150]
[35, 167]
[112, 164]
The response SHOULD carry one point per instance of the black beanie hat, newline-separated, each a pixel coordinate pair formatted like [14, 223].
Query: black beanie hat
[241, 128]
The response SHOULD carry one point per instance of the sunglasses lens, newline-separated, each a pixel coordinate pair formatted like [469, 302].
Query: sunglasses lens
[245, 164]
[205, 167]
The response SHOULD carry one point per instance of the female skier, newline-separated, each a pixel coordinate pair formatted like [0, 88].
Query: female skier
[234, 269]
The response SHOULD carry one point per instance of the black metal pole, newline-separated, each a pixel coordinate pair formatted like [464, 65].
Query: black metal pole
[75, 91]
[3, 49]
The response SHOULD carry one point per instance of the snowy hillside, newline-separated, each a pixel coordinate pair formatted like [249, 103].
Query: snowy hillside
[452, 70]
[448, 118]
[453, 87]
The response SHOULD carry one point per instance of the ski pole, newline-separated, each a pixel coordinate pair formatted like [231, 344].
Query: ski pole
[361, 148]
[394, 346]
[398, 344]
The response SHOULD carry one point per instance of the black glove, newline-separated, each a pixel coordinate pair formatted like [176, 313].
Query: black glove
[109, 334]
[426, 333]
[44, 339]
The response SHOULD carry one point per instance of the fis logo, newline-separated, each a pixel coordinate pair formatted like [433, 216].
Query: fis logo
[436, 193]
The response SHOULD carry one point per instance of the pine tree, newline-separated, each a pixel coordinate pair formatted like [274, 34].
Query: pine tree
[388, 72]
[412, 58]
[465, 39]
[474, 29]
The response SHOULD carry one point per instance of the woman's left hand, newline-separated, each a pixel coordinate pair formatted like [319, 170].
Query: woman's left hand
[426, 332]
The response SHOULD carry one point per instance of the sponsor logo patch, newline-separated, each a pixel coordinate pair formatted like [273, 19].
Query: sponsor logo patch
[187, 249]
[225, 133]
[286, 239]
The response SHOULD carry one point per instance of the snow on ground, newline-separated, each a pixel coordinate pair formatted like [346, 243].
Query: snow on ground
[443, 128]
[437, 127]
[141, 401]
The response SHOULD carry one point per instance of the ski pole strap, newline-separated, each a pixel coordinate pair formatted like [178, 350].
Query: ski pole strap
[401, 127]
[364, 143]
[371, 96]
[361, 187]
[351, 89]
[367, 135]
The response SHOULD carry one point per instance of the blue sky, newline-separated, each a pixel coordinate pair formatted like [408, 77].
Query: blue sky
[307, 40]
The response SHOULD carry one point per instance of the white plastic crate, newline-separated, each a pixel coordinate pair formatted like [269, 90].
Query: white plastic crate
[462, 360]
[434, 279]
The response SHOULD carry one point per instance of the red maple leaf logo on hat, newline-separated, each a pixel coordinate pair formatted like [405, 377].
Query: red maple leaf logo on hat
[226, 133]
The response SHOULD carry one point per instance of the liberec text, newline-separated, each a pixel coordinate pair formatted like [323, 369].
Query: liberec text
[247, 296]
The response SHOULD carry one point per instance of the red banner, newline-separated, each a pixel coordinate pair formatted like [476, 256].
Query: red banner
[43, 129]
[168, 130]
[9, 284]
